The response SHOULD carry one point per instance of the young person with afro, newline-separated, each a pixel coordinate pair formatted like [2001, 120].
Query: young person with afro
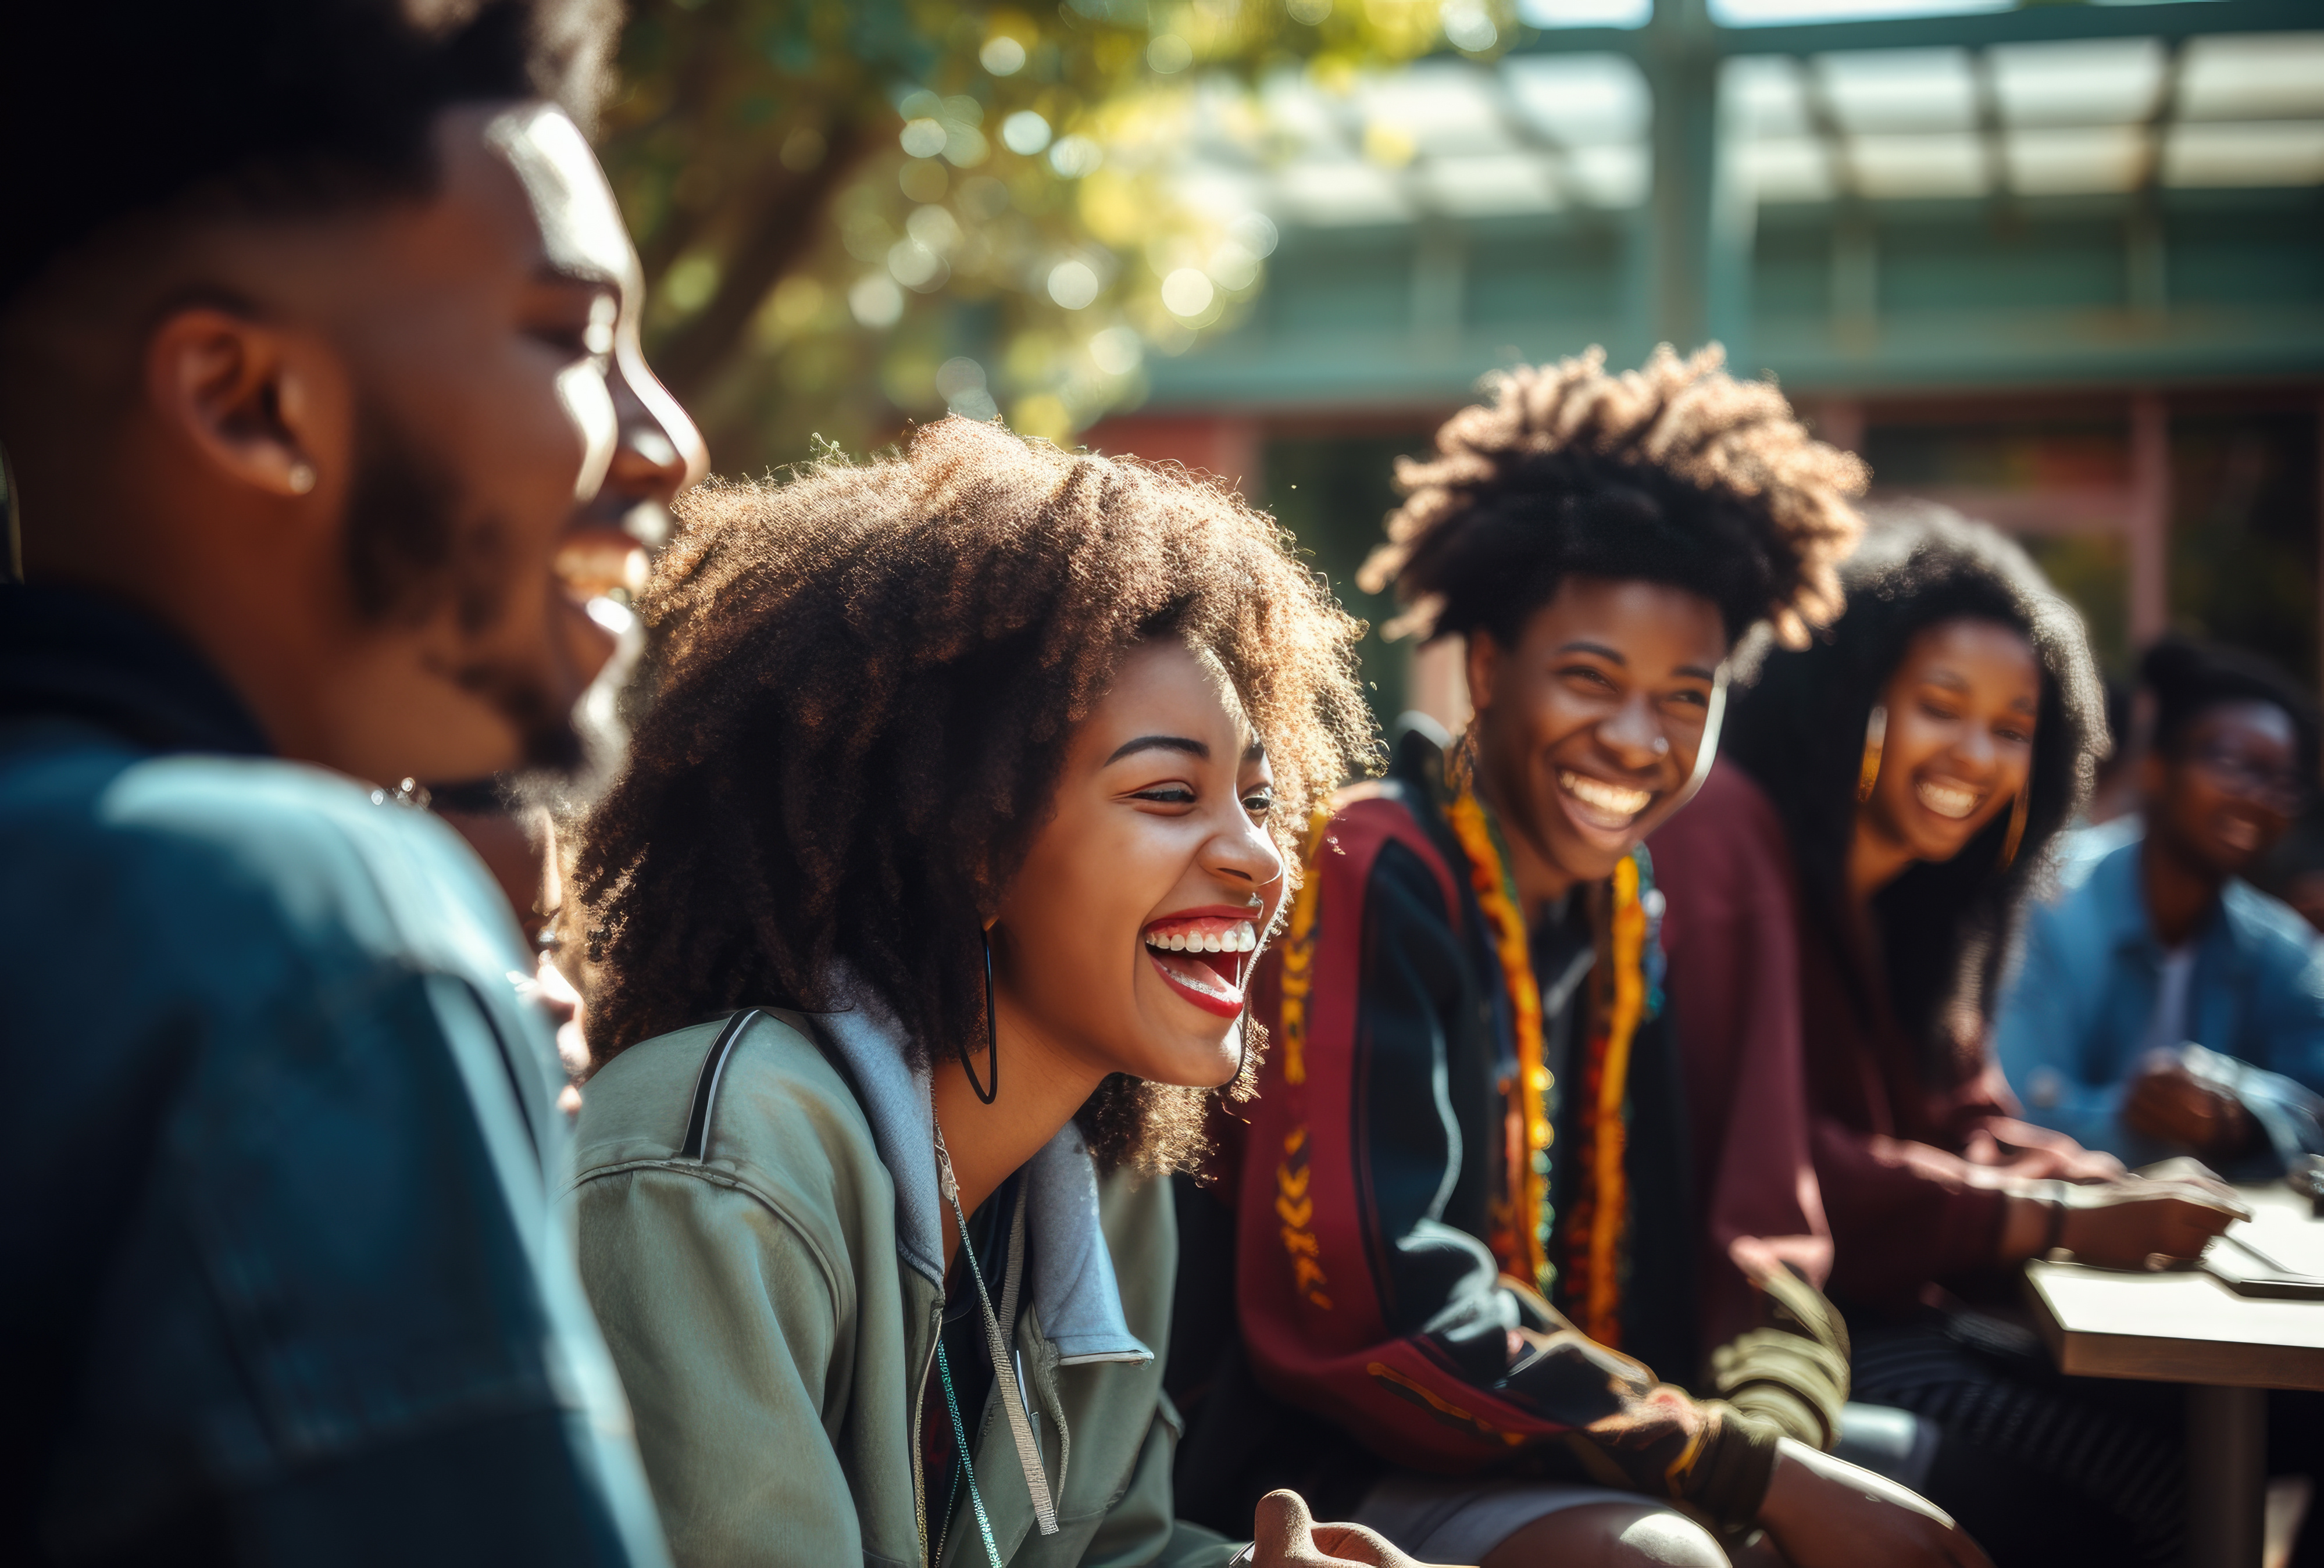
[1850, 877]
[989, 760]
[1469, 1251]
[2161, 941]
[319, 367]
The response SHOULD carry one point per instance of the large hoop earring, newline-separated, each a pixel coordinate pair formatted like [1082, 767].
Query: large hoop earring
[992, 1033]
[1875, 736]
[2017, 814]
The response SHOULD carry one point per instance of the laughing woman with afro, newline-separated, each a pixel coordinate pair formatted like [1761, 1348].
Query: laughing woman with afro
[964, 803]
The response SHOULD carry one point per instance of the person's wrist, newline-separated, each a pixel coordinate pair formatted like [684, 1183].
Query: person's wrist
[2074, 1230]
[2034, 1224]
[2023, 1226]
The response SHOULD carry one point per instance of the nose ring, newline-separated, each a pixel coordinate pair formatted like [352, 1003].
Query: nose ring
[1662, 745]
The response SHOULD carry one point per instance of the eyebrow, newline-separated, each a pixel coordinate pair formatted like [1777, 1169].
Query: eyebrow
[1161, 743]
[1954, 681]
[1581, 645]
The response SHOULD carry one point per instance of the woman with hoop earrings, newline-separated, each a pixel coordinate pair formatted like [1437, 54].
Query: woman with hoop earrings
[922, 917]
[1855, 869]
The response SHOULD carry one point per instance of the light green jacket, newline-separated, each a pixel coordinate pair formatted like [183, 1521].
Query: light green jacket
[759, 1233]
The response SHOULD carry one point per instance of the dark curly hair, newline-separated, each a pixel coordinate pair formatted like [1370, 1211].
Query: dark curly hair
[1676, 473]
[867, 676]
[1799, 730]
[115, 108]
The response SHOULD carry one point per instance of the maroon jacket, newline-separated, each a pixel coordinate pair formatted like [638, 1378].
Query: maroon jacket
[1908, 1170]
[1730, 932]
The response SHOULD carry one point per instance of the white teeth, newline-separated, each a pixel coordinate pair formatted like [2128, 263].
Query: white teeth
[1605, 797]
[1946, 800]
[1240, 937]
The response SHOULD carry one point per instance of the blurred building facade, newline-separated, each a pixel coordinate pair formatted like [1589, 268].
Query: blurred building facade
[2061, 266]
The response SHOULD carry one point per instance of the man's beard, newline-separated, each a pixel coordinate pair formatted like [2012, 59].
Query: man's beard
[412, 547]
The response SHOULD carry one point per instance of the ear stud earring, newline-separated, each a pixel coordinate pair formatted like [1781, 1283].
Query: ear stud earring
[301, 477]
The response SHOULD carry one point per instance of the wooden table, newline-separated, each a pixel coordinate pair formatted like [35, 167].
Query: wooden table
[2229, 1349]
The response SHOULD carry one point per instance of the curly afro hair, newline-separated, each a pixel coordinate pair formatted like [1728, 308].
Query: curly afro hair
[867, 677]
[1676, 474]
[1799, 730]
[110, 108]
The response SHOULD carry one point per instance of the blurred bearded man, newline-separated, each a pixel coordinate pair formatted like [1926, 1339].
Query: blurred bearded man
[319, 383]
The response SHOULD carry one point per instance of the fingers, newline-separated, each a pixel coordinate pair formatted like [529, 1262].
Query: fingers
[1355, 1543]
[1285, 1535]
[1283, 1531]
[2212, 1213]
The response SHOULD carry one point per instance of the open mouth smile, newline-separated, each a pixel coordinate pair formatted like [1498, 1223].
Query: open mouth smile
[1204, 958]
[1601, 803]
[1954, 801]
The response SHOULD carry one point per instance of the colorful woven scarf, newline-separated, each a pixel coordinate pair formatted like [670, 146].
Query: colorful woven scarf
[1524, 1225]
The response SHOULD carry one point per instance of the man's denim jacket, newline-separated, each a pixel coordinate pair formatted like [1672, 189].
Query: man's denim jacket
[2081, 1004]
[283, 1282]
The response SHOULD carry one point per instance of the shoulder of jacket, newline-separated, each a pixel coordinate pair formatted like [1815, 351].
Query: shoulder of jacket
[1366, 816]
[1730, 830]
[770, 1113]
[273, 871]
[2266, 923]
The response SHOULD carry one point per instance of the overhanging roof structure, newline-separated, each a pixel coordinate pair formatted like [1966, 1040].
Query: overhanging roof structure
[2054, 195]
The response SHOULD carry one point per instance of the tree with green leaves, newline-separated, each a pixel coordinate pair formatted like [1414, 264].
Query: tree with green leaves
[857, 212]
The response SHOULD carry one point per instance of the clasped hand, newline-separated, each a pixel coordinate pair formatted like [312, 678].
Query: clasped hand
[1284, 1535]
[2169, 1213]
[2171, 1105]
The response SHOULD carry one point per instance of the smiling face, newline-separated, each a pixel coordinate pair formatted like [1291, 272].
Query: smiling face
[2231, 787]
[1959, 745]
[1127, 937]
[1589, 730]
[511, 452]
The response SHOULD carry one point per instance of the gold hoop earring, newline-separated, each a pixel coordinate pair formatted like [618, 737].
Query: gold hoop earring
[2017, 813]
[1875, 736]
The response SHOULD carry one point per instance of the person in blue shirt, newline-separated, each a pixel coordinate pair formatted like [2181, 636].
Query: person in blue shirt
[2158, 942]
[318, 366]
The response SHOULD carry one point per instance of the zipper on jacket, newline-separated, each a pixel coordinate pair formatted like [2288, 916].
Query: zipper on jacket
[920, 1469]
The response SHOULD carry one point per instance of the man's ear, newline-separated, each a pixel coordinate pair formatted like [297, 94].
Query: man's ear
[1484, 661]
[241, 394]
